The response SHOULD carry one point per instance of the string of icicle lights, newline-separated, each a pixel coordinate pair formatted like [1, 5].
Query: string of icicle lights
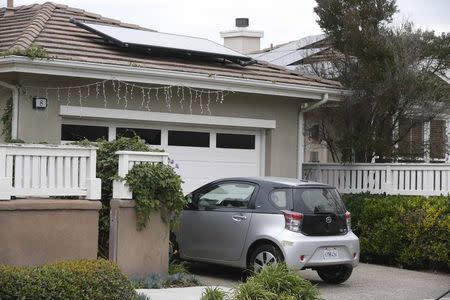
[125, 92]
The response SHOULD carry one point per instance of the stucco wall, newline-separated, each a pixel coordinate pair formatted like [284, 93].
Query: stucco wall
[281, 149]
[137, 253]
[40, 231]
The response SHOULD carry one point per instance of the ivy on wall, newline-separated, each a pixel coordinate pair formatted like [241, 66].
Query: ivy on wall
[156, 188]
[7, 121]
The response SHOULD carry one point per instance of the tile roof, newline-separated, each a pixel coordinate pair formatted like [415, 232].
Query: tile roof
[48, 25]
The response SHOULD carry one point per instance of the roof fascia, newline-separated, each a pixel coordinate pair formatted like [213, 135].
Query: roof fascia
[57, 67]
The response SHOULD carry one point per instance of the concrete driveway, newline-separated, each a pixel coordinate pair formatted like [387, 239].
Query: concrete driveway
[367, 282]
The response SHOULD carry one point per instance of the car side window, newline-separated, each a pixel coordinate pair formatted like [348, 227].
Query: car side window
[281, 198]
[229, 194]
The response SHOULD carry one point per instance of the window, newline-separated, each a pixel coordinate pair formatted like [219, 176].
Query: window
[314, 133]
[188, 138]
[437, 139]
[82, 132]
[235, 141]
[411, 138]
[318, 201]
[282, 198]
[234, 194]
[150, 136]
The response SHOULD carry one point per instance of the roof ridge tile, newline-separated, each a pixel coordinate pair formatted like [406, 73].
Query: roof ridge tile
[37, 24]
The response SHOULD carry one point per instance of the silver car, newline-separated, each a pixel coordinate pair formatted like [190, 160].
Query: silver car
[251, 222]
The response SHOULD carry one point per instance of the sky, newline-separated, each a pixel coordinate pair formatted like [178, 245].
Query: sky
[281, 20]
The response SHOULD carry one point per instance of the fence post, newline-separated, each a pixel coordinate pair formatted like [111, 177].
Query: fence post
[387, 186]
[5, 182]
[93, 184]
[120, 190]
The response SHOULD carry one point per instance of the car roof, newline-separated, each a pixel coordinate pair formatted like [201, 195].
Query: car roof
[285, 181]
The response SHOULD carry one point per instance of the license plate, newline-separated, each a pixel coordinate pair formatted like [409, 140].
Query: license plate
[330, 253]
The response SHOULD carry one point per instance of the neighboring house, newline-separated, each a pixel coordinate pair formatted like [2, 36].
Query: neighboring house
[427, 141]
[217, 113]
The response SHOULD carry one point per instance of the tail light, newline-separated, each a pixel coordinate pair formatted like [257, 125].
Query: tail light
[348, 219]
[293, 220]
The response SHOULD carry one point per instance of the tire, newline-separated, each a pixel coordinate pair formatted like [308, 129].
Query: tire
[335, 274]
[264, 255]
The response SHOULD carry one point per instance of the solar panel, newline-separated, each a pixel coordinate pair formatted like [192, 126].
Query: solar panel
[127, 37]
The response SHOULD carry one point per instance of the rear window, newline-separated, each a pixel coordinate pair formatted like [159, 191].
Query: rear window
[318, 201]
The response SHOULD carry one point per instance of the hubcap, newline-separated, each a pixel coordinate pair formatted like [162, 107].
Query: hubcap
[263, 259]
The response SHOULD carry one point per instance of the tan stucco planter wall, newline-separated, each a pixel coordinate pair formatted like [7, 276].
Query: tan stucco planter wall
[138, 253]
[40, 231]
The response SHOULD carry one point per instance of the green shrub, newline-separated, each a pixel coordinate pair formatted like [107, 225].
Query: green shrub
[84, 279]
[407, 231]
[107, 167]
[276, 282]
[177, 268]
[213, 293]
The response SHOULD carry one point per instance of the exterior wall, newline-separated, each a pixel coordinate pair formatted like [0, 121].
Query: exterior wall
[137, 253]
[5, 94]
[40, 231]
[281, 150]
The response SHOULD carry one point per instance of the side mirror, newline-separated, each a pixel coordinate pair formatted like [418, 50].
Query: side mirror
[190, 202]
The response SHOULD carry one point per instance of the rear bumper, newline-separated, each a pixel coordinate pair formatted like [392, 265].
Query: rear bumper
[296, 246]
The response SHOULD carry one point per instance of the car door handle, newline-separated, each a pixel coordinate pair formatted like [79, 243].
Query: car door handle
[239, 218]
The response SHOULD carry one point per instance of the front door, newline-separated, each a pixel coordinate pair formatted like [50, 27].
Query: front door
[216, 227]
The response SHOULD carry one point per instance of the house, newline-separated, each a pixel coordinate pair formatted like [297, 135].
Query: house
[426, 141]
[70, 74]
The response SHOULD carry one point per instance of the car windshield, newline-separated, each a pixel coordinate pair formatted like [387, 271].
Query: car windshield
[318, 201]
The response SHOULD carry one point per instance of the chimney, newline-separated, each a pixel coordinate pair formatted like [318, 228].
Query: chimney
[241, 39]
[9, 11]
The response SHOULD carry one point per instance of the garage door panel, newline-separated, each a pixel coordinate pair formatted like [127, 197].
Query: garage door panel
[200, 165]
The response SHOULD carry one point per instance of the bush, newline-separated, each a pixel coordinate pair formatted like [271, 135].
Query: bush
[276, 282]
[84, 279]
[407, 231]
[107, 167]
[213, 293]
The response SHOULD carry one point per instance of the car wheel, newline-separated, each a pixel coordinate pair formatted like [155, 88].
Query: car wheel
[335, 274]
[264, 255]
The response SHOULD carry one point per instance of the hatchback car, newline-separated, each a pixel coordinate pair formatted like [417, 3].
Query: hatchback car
[251, 222]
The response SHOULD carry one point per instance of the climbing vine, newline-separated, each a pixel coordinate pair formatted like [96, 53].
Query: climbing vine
[156, 188]
[7, 121]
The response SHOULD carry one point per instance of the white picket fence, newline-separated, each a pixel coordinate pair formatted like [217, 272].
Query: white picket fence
[402, 179]
[127, 159]
[28, 170]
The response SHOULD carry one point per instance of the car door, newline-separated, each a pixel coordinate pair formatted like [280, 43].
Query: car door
[215, 227]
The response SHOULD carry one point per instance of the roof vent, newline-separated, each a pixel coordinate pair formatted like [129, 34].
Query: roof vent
[242, 22]
[9, 8]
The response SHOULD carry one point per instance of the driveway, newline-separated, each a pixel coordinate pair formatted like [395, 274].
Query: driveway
[366, 282]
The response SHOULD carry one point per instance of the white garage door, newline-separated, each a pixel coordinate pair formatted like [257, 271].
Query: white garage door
[205, 155]
[202, 154]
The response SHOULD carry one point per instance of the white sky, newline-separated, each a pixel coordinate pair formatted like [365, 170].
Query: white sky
[281, 20]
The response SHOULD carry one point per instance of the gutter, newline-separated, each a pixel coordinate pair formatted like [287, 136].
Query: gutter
[165, 77]
[301, 137]
[15, 108]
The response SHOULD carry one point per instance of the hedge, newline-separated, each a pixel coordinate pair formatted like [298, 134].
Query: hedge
[83, 279]
[407, 231]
